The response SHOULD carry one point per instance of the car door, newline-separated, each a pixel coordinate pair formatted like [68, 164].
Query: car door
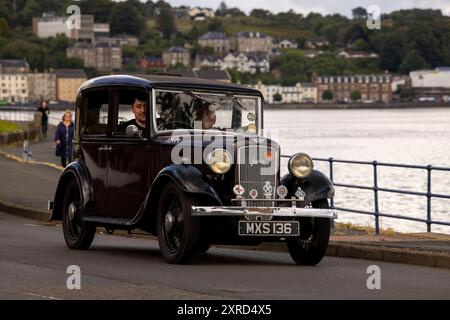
[94, 143]
[128, 174]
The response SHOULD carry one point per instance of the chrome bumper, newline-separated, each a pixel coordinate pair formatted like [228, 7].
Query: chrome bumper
[263, 213]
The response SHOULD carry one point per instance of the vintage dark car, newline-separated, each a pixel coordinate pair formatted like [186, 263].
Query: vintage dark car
[186, 160]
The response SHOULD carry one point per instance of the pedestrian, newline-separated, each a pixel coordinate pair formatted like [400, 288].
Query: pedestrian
[64, 138]
[45, 111]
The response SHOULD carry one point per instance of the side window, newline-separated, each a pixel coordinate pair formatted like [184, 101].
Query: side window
[96, 114]
[131, 109]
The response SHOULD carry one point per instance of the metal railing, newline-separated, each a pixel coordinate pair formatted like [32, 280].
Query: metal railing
[429, 195]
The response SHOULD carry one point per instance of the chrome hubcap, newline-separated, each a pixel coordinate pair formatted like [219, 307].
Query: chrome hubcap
[72, 210]
[169, 221]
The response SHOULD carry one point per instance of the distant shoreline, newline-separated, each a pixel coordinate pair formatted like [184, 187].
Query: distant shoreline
[352, 106]
[292, 106]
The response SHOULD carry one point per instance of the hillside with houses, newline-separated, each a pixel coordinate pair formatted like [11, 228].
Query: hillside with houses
[290, 57]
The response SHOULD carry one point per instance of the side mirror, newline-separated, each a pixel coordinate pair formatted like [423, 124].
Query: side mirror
[132, 131]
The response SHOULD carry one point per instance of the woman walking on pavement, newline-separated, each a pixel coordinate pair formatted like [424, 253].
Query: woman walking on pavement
[45, 111]
[64, 138]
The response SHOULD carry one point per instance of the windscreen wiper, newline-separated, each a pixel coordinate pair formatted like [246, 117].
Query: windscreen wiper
[194, 95]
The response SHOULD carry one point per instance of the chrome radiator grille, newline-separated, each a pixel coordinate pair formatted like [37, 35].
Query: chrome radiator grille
[257, 171]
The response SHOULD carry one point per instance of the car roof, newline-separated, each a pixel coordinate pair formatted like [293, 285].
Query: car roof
[151, 81]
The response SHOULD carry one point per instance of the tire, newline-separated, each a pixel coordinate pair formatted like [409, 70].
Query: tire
[178, 231]
[310, 247]
[77, 234]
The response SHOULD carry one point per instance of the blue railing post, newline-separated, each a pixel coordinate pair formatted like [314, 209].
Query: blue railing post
[331, 178]
[375, 190]
[429, 168]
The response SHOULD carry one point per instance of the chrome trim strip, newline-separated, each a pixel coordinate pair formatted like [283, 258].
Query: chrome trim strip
[269, 211]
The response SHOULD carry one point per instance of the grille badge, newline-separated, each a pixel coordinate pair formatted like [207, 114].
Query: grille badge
[268, 189]
[253, 193]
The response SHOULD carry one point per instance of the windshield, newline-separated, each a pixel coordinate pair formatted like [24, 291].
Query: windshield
[206, 111]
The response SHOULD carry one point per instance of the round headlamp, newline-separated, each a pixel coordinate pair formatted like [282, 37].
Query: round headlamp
[219, 161]
[300, 165]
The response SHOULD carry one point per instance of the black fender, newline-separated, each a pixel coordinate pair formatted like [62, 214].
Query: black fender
[74, 170]
[316, 186]
[188, 178]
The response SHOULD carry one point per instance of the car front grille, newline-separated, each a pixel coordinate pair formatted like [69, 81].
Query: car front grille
[256, 172]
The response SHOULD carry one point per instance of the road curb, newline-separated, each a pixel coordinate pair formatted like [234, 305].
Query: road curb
[335, 248]
[25, 212]
[388, 254]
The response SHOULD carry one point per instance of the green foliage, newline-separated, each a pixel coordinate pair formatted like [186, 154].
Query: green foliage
[359, 13]
[29, 11]
[412, 61]
[126, 18]
[327, 95]
[6, 126]
[166, 23]
[215, 25]
[101, 9]
[4, 28]
[277, 97]
[355, 95]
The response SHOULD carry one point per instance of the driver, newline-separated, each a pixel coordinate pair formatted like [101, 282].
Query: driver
[139, 110]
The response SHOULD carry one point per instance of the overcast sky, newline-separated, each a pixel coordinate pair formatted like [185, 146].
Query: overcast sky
[343, 7]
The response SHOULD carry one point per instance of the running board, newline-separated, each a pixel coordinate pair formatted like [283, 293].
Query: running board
[107, 221]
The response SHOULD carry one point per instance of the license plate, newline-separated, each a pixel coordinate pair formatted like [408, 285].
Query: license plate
[269, 228]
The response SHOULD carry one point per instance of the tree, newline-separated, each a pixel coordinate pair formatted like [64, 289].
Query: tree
[392, 52]
[359, 45]
[260, 13]
[125, 18]
[355, 95]
[4, 28]
[21, 49]
[30, 10]
[215, 25]
[327, 95]
[101, 9]
[413, 61]
[277, 97]
[222, 10]
[359, 13]
[166, 23]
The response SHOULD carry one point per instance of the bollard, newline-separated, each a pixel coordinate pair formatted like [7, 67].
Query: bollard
[26, 153]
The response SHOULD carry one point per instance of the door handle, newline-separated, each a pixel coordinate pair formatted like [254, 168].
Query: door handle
[105, 148]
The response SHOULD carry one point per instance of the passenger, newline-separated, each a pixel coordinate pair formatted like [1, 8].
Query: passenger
[206, 115]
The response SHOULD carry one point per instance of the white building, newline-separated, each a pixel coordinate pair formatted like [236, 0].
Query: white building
[287, 44]
[201, 12]
[302, 92]
[357, 55]
[242, 62]
[437, 78]
[50, 26]
[14, 88]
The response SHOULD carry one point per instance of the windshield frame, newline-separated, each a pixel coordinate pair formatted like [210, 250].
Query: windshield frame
[258, 122]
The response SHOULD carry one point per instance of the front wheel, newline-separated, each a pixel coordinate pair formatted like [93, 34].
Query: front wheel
[178, 230]
[310, 247]
[77, 234]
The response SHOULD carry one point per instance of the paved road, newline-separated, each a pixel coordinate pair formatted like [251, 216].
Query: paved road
[33, 262]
